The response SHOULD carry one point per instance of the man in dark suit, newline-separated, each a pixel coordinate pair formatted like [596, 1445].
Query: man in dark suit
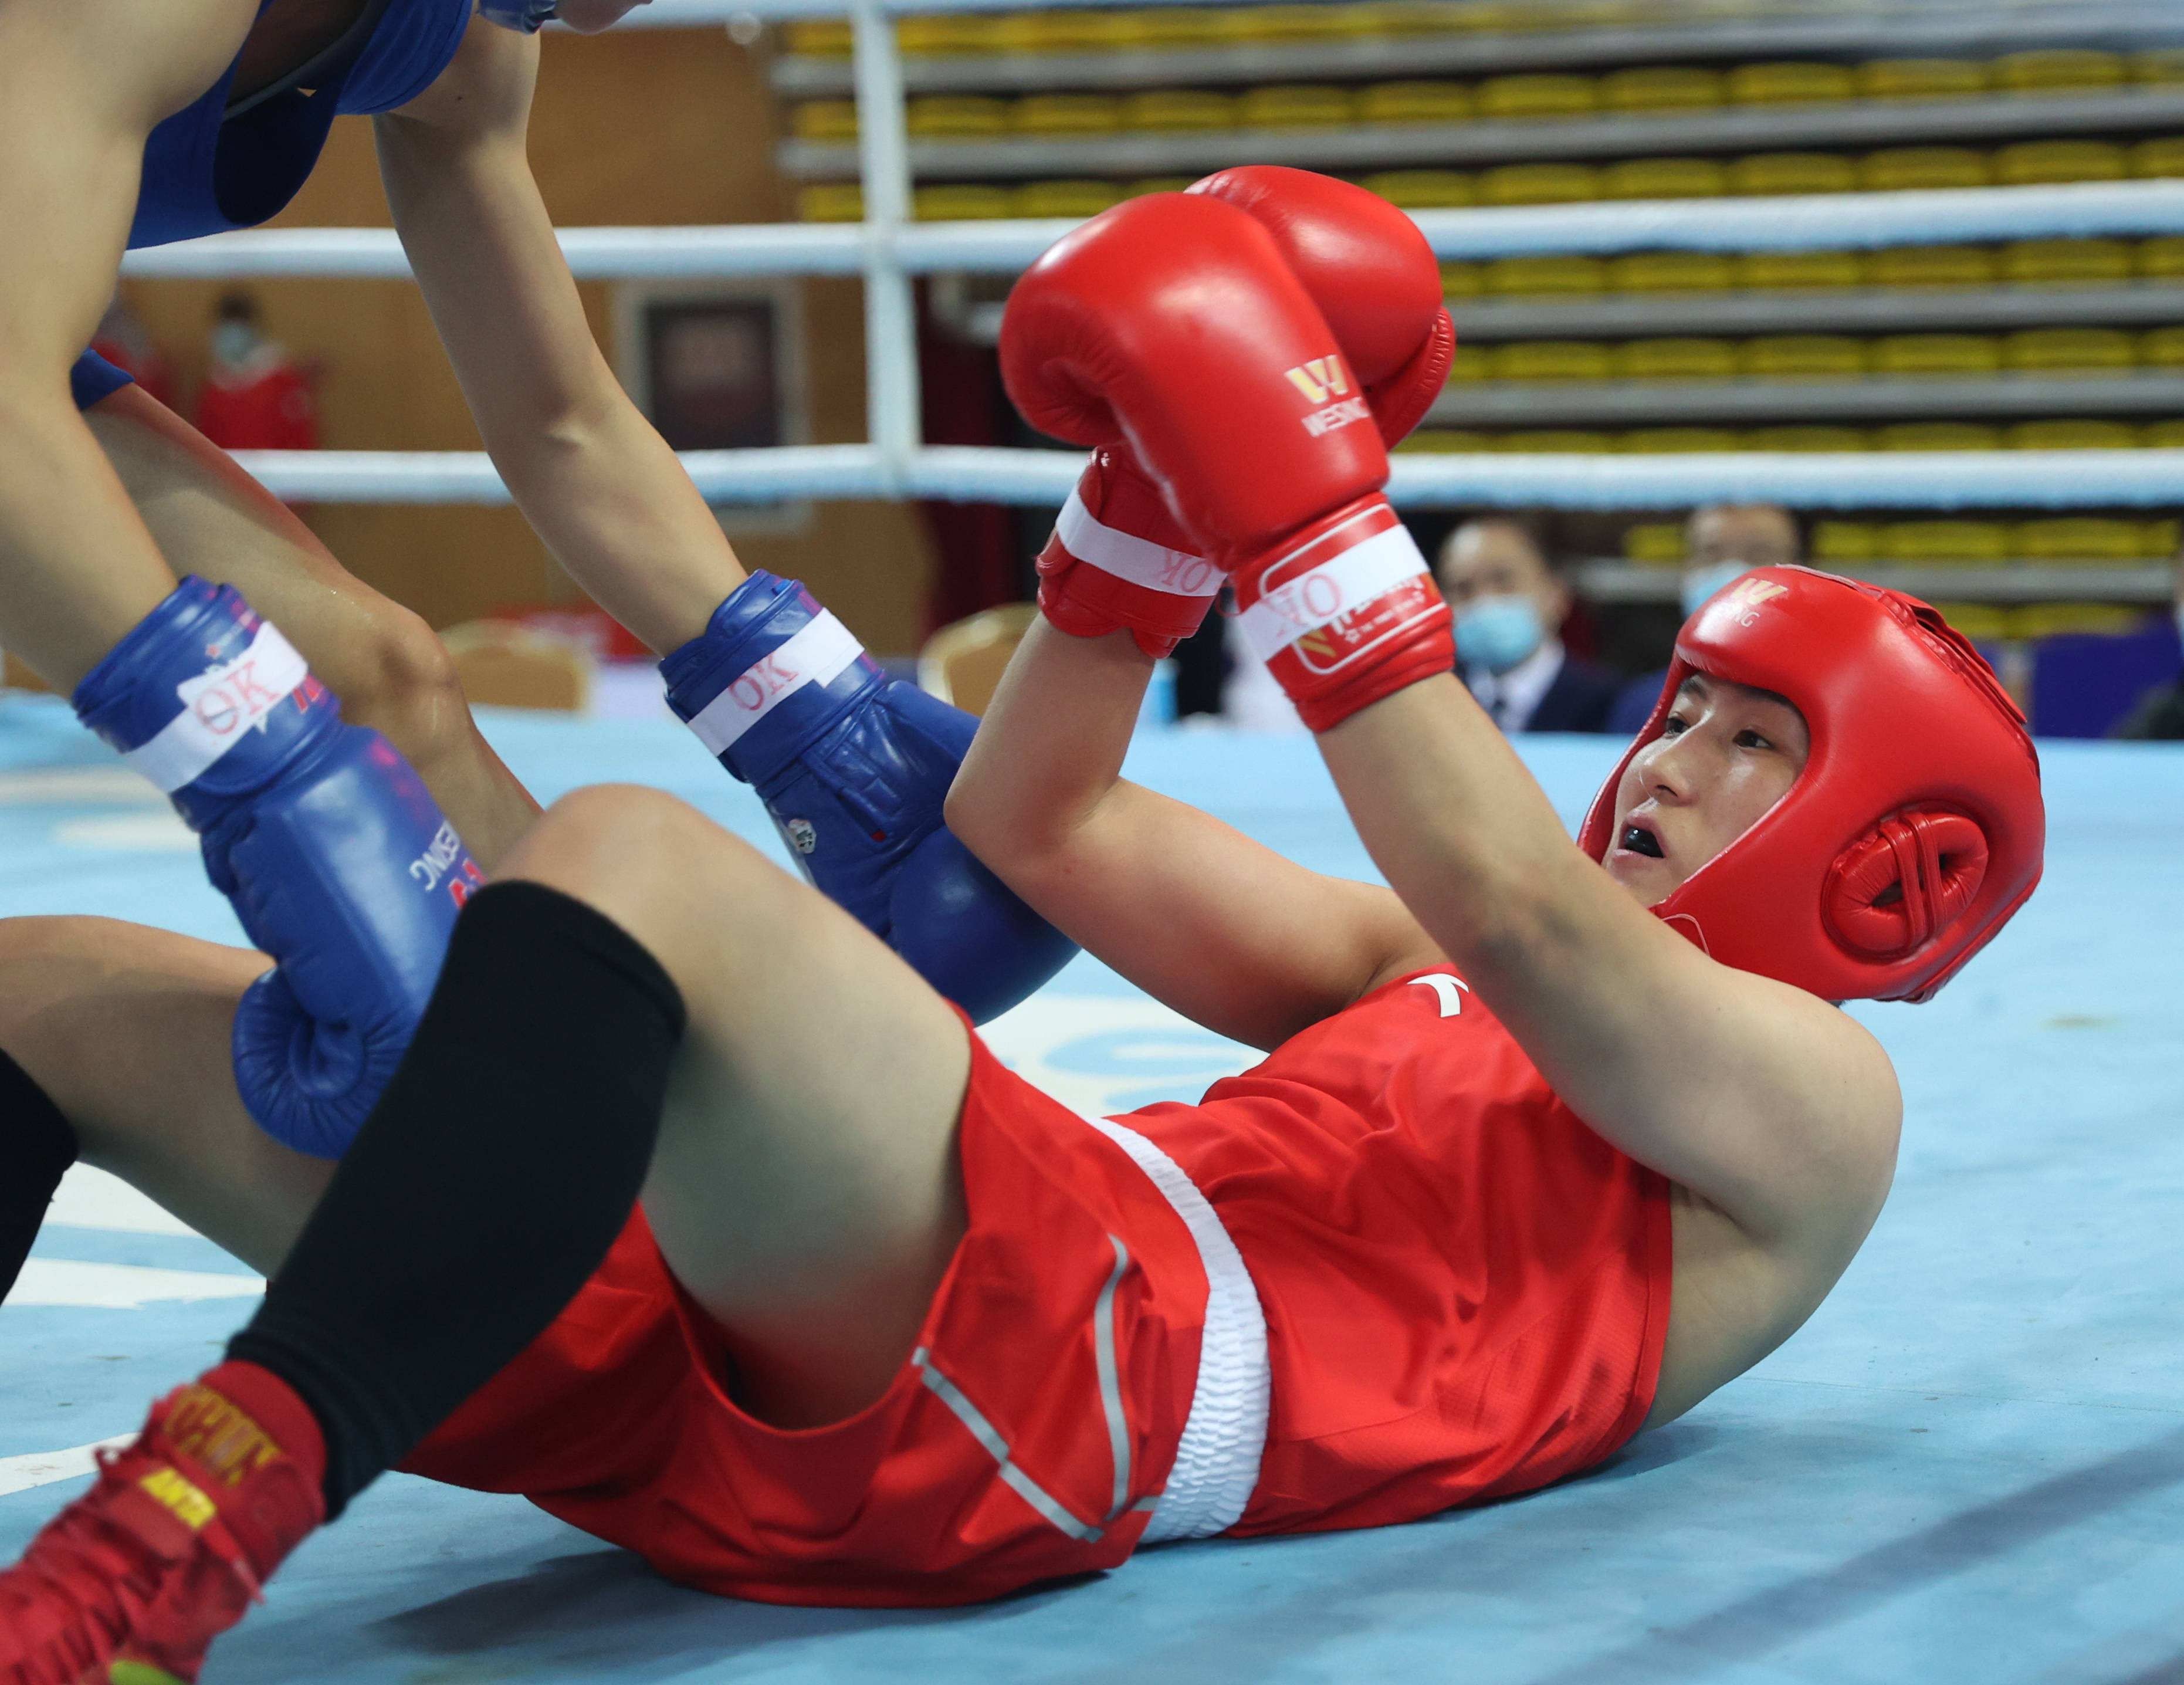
[1723, 542]
[1509, 608]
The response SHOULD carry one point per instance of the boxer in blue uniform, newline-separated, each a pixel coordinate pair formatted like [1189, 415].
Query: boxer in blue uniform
[123, 127]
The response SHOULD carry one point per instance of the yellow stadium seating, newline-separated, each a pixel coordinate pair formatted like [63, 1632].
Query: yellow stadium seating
[2161, 436]
[1539, 184]
[1676, 359]
[1921, 79]
[1930, 541]
[2033, 164]
[1660, 88]
[1461, 281]
[2072, 262]
[1791, 83]
[824, 119]
[1842, 543]
[1550, 359]
[1423, 189]
[2158, 540]
[1156, 184]
[831, 201]
[1184, 29]
[1768, 173]
[1445, 441]
[1897, 168]
[957, 117]
[1931, 266]
[1066, 30]
[1809, 440]
[1162, 109]
[820, 38]
[2050, 620]
[2162, 347]
[1550, 273]
[1804, 356]
[1472, 362]
[1939, 436]
[1537, 95]
[2059, 71]
[1672, 272]
[1066, 113]
[2161, 156]
[1415, 103]
[2161, 259]
[2069, 351]
[1664, 178]
[2076, 538]
[2159, 64]
[1982, 622]
[1807, 270]
[1679, 441]
[2080, 434]
[1654, 544]
[1287, 26]
[1296, 105]
[947, 34]
[970, 201]
[1937, 353]
[1560, 442]
[1063, 198]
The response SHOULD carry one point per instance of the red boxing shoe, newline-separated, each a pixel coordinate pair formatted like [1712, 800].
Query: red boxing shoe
[131, 1583]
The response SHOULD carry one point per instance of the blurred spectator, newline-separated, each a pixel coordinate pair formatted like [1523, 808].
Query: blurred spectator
[1509, 608]
[2160, 715]
[1723, 542]
[255, 396]
[125, 343]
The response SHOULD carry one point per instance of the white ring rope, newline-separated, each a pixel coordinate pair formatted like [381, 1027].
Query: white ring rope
[1971, 479]
[1866, 220]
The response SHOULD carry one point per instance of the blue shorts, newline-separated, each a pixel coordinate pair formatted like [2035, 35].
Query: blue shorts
[93, 378]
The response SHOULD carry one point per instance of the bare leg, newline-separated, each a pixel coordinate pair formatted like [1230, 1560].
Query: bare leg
[391, 672]
[126, 1028]
[805, 1188]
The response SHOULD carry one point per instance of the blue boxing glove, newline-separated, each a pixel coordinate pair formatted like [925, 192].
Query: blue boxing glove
[853, 768]
[336, 859]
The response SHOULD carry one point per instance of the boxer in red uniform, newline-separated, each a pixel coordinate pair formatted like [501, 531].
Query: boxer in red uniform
[1550, 1144]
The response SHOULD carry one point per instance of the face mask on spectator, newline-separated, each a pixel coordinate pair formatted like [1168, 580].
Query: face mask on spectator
[1701, 582]
[1497, 632]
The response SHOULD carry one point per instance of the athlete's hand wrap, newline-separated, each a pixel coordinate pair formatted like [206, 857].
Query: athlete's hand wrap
[337, 861]
[1174, 322]
[853, 768]
[1117, 557]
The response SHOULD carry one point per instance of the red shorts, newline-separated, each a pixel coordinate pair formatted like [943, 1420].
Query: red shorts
[1023, 1441]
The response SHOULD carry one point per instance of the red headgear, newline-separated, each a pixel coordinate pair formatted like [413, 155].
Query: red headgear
[1915, 829]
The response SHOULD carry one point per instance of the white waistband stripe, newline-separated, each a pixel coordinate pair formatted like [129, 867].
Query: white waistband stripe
[817, 655]
[218, 707]
[1335, 588]
[1217, 1463]
[1127, 556]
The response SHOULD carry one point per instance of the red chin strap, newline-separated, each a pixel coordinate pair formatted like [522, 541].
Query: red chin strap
[1916, 828]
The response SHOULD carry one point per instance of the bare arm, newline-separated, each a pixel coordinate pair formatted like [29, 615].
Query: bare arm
[1769, 1105]
[1228, 933]
[81, 85]
[592, 476]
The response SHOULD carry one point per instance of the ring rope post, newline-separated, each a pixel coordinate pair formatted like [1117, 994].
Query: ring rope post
[891, 387]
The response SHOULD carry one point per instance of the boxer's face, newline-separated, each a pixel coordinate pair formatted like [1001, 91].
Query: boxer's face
[1726, 754]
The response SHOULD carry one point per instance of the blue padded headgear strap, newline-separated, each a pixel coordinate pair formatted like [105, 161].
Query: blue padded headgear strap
[528, 17]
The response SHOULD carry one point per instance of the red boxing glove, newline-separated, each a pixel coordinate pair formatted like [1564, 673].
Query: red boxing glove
[1174, 322]
[1117, 558]
[1371, 272]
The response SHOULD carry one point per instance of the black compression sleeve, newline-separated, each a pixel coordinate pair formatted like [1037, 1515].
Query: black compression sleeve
[488, 1184]
[36, 1147]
